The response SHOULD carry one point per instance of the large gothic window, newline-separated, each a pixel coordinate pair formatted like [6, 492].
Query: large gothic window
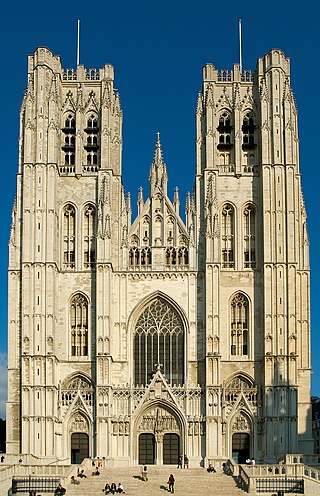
[239, 325]
[249, 218]
[79, 325]
[69, 225]
[227, 235]
[159, 341]
[88, 231]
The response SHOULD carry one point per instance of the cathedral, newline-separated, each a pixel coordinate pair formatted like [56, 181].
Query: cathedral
[135, 340]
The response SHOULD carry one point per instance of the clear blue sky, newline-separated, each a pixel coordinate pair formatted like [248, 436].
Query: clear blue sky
[158, 50]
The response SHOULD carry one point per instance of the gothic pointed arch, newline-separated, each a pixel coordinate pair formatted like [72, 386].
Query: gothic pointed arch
[79, 324]
[89, 228]
[91, 145]
[69, 235]
[239, 324]
[228, 235]
[249, 235]
[159, 329]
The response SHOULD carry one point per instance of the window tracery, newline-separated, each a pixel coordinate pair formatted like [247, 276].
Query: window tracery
[248, 132]
[224, 130]
[92, 137]
[89, 240]
[239, 325]
[159, 339]
[227, 237]
[69, 145]
[69, 225]
[249, 221]
[79, 325]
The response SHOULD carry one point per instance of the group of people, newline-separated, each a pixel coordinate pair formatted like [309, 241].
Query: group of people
[183, 461]
[113, 489]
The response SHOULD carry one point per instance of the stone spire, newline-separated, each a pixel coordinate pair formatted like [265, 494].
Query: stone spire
[158, 171]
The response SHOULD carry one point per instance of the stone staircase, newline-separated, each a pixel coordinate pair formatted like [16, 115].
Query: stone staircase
[190, 481]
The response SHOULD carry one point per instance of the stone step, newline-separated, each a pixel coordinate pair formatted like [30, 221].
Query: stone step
[187, 481]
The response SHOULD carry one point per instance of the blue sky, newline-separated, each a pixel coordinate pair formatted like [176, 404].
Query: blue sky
[158, 50]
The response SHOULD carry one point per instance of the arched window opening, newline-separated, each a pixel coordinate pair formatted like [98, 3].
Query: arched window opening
[248, 132]
[227, 238]
[92, 136]
[239, 325]
[69, 145]
[89, 240]
[224, 130]
[159, 341]
[139, 256]
[69, 221]
[79, 325]
[249, 220]
[177, 256]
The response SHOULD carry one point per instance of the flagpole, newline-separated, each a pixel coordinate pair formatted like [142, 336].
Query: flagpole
[78, 43]
[240, 44]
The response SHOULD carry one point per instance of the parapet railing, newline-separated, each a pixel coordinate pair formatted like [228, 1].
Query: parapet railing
[272, 478]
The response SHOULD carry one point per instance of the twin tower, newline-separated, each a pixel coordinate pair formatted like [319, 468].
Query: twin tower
[140, 339]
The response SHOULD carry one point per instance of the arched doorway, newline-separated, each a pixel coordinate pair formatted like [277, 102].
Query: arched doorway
[146, 449]
[171, 449]
[240, 447]
[79, 447]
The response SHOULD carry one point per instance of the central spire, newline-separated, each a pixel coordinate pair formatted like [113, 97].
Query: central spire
[158, 171]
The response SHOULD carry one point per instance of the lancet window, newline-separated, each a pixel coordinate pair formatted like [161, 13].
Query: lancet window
[69, 144]
[239, 317]
[89, 239]
[79, 325]
[224, 130]
[69, 229]
[249, 224]
[227, 236]
[92, 137]
[159, 341]
[248, 132]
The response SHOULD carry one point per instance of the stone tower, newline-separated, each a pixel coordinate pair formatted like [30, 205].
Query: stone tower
[137, 341]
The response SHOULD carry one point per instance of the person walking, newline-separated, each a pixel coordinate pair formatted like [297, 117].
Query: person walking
[185, 461]
[180, 458]
[171, 483]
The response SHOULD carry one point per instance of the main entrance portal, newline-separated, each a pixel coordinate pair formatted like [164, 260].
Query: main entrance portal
[146, 449]
[240, 447]
[159, 436]
[79, 447]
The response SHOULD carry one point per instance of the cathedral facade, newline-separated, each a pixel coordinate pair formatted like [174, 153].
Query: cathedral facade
[136, 340]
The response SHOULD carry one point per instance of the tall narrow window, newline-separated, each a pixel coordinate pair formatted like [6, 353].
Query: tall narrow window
[91, 146]
[79, 325]
[239, 325]
[248, 132]
[159, 341]
[224, 130]
[69, 219]
[89, 240]
[227, 236]
[249, 221]
[69, 145]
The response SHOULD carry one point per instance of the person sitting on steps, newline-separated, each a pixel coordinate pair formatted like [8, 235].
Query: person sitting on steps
[211, 469]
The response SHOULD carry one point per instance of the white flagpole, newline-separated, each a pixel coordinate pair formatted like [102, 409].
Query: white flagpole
[240, 45]
[78, 43]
